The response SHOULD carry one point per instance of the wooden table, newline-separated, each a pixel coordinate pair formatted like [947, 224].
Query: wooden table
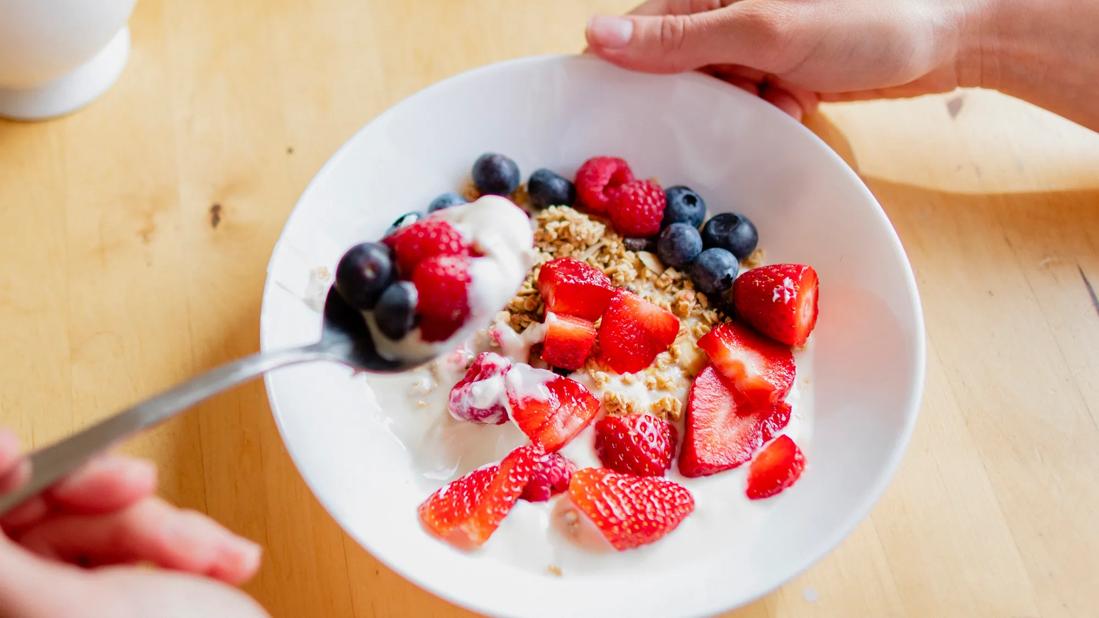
[135, 234]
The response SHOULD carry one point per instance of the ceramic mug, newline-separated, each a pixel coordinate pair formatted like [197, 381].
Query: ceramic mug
[58, 55]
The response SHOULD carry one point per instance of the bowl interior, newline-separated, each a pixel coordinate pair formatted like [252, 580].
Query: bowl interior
[740, 155]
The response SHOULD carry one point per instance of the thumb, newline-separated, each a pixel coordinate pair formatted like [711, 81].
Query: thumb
[744, 33]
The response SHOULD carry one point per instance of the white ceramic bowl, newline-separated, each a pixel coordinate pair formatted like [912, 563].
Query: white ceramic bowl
[741, 155]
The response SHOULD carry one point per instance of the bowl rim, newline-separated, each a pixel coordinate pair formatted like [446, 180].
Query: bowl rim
[859, 511]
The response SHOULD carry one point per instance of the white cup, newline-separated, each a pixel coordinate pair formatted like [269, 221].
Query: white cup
[58, 55]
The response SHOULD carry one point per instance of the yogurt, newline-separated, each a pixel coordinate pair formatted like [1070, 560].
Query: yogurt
[554, 537]
[502, 240]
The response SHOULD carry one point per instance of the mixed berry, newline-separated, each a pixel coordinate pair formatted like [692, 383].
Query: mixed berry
[736, 408]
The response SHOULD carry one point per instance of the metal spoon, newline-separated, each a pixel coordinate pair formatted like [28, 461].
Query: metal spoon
[344, 339]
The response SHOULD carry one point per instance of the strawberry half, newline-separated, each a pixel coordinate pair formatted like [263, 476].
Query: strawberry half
[629, 510]
[762, 370]
[722, 430]
[466, 401]
[778, 300]
[467, 511]
[634, 331]
[639, 444]
[571, 287]
[776, 467]
[549, 408]
[568, 341]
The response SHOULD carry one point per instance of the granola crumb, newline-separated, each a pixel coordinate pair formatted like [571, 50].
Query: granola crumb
[754, 259]
[555, 570]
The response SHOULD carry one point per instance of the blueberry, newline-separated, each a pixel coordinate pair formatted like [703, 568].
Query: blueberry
[732, 232]
[495, 174]
[445, 200]
[404, 220]
[714, 270]
[549, 189]
[679, 244]
[363, 272]
[640, 244]
[395, 313]
[684, 206]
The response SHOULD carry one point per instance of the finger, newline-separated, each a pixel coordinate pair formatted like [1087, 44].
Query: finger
[30, 586]
[748, 33]
[784, 101]
[737, 70]
[105, 484]
[744, 84]
[149, 531]
[807, 99]
[14, 468]
[25, 515]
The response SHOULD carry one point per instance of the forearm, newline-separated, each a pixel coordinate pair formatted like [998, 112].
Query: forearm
[1045, 52]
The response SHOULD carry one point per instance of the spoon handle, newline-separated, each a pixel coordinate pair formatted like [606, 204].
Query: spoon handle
[54, 462]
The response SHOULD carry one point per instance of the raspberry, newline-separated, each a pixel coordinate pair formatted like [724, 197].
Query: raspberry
[551, 477]
[424, 239]
[637, 208]
[442, 287]
[598, 179]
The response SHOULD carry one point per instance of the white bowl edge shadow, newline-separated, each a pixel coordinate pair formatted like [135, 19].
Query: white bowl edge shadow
[856, 512]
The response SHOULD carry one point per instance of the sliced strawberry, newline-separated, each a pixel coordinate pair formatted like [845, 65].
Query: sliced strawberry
[634, 331]
[630, 510]
[423, 239]
[723, 430]
[639, 444]
[479, 396]
[778, 300]
[549, 408]
[568, 341]
[775, 468]
[571, 287]
[467, 511]
[762, 370]
[551, 477]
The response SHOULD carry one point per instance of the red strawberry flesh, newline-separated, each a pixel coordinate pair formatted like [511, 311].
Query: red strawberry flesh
[634, 331]
[571, 287]
[640, 444]
[550, 409]
[568, 341]
[628, 510]
[466, 512]
[775, 468]
[778, 300]
[723, 430]
[760, 369]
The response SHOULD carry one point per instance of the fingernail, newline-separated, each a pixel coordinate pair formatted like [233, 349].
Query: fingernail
[609, 31]
[244, 554]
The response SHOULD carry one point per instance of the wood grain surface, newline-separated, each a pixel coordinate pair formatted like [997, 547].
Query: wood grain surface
[134, 237]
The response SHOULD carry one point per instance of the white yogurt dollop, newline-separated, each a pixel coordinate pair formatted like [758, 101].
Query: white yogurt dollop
[502, 239]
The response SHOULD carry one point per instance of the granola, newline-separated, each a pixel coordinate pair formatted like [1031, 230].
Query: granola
[562, 231]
